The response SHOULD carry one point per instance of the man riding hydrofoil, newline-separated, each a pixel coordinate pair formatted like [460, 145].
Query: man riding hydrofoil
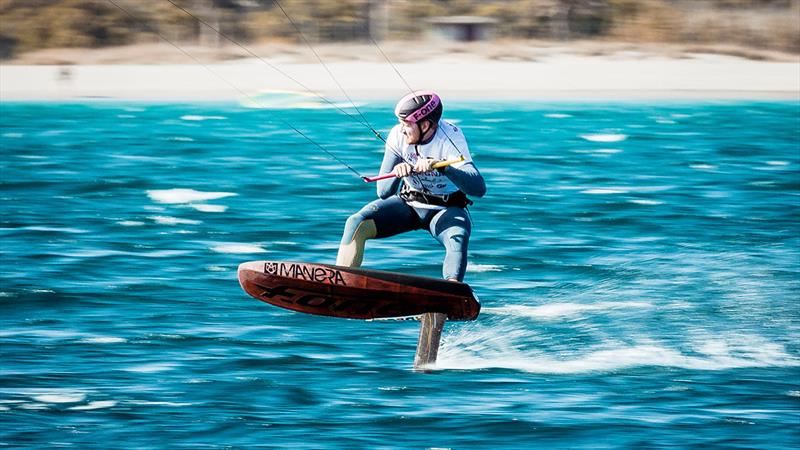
[420, 196]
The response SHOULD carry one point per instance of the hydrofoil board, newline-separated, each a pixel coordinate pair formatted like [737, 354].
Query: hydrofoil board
[355, 293]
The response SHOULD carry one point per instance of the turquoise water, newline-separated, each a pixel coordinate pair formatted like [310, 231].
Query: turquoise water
[638, 266]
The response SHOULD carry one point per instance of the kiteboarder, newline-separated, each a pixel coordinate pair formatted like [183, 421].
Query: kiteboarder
[419, 196]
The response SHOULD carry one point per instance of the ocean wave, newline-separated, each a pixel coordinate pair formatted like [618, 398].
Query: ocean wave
[603, 191]
[103, 340]
[608, 360]
[484, 268]
[237, 248]
[473, 351]
[39, 332]
[199, 118]
[558, 310]
[98, 404]
[151, 368]
[156, 403]
[646, 202]
[609, 151]
[209, 208]
[179, 196]
[33, 406]
[57, 229]
[599, 151]
[702, 166]
[60, 397]
[604, 137]
[167, 220]
[136, 157]
[616, 189]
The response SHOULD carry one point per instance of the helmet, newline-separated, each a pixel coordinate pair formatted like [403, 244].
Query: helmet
[419, 106]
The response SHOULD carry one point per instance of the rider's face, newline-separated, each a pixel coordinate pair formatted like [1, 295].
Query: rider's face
[411, 131]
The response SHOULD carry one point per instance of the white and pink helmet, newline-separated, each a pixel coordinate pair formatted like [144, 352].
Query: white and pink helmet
[418, 106]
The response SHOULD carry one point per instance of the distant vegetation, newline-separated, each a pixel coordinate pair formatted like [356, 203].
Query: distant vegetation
[27, 25]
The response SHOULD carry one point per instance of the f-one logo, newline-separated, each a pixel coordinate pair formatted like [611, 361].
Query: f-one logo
[305, 272]
[425, 110]
[422, 112]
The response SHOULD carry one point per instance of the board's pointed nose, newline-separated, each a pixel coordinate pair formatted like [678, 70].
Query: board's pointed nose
[251, 265]
[246, 271]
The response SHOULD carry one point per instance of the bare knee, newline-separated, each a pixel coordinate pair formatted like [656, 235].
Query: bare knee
[356, 232]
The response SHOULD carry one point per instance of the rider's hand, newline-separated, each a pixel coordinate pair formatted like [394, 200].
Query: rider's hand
[402, 170]
[424, 165]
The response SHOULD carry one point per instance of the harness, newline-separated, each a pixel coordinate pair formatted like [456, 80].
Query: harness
[457, 198]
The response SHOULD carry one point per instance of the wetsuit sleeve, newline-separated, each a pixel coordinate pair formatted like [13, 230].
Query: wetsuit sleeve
[387, 188]
[467, 178]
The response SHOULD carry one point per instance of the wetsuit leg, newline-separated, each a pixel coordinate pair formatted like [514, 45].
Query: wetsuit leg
[452, 227]
[378, 219]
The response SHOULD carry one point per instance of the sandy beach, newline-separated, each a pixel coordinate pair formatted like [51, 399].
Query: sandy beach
[159, 72]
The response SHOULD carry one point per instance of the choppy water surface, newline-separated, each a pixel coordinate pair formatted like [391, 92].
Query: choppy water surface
[638, 265]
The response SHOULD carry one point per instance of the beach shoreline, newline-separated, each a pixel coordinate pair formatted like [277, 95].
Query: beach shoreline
[551, 74]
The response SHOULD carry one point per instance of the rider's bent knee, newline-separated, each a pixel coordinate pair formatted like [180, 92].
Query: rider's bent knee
[357, 231]
[456, 240]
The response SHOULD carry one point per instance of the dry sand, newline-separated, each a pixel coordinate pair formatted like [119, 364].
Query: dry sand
[511, 70]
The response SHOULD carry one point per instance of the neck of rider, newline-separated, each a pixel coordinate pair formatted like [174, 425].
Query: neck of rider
[426, 131]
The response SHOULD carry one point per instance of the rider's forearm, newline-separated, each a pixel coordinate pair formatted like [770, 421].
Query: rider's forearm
[387, 188]
[467, 179]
